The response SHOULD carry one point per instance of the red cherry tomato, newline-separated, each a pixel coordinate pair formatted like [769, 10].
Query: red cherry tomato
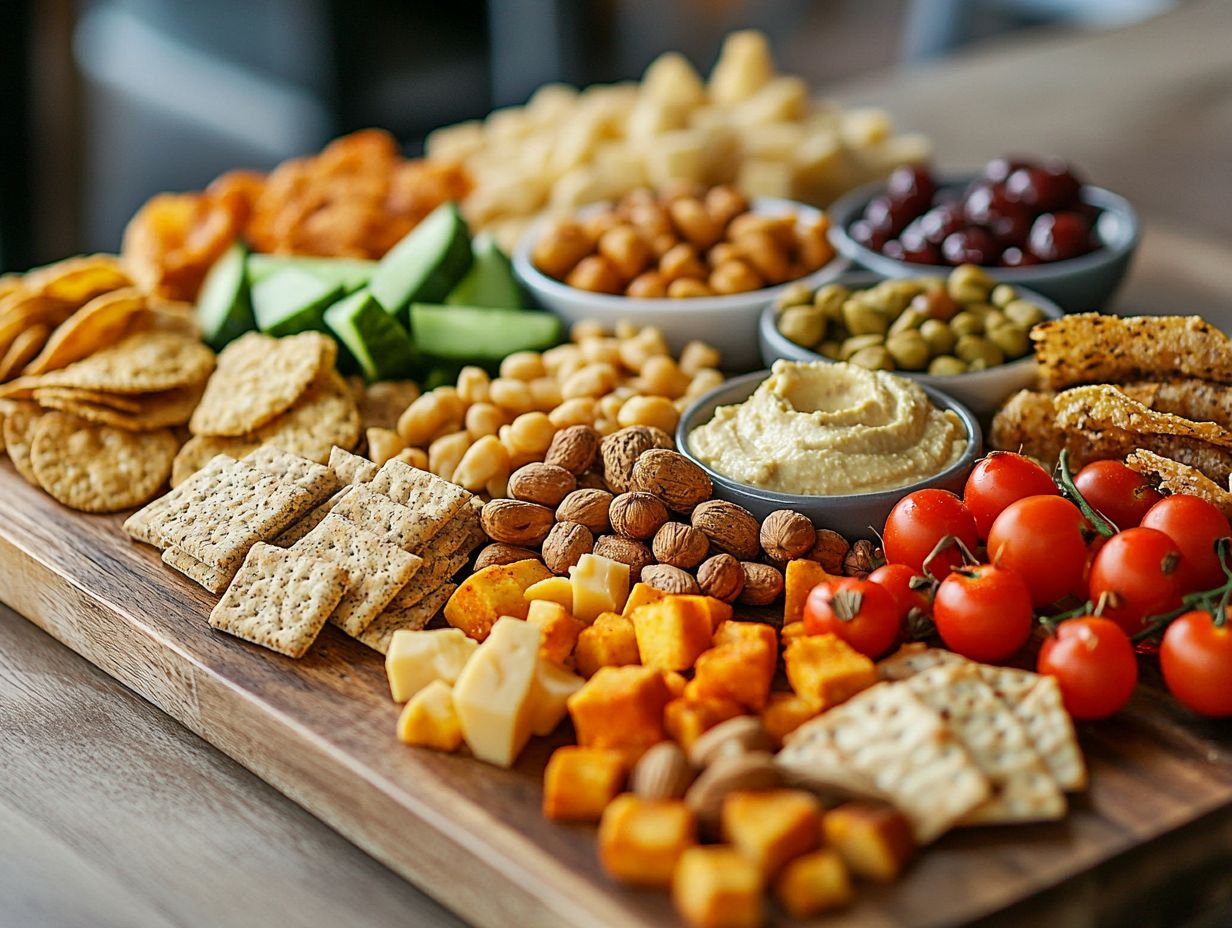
[1094, 663]
[1044, 539]
[919, 521]
[1195, 525]
[1196, 658]
[1137, 570]
[897, 580]
[1120, 495]
[983, 612]
[1002, 478]
[860, 612]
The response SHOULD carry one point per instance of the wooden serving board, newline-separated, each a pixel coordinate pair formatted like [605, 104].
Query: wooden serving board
[321, 730]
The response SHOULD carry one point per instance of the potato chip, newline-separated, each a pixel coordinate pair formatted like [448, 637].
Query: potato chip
[24, 347]
[10, 283]
[174, 239]
[259, 377]
[22, 311]
[99, 324]
[1175, 477]
[325, 416]
[78, 280]
[94, 468]
[1090, 348]
[20, 422]
[158, 410]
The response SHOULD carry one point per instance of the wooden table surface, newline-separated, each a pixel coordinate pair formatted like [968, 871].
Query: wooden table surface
[112, 814]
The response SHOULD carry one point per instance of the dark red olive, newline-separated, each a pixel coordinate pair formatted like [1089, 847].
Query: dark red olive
[1016, 257]
[886, 216]
[1042, 190]
[894, 249]
[911, 186]
[1057, 236]
[971, 245]
[863, 232]
[940, 221]
[998, 169]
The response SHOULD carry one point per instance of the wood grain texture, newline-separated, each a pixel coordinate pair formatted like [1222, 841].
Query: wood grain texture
[321, 731]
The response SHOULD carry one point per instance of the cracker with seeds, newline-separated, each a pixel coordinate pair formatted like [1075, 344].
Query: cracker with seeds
[95, 468]
[350, 468]
[202, 574]
[201, 449]
[324, 416]
[281, 599]
[316, 478]
[378, 569]
[130, 404]
[429, 578]
[380, 515]
[379, 634]
[143, 524]
[433, 500]
[310, 520]
[1175, 477]
[20, 422]
[258, 378]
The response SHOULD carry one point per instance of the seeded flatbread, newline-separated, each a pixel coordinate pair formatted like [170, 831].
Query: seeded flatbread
[143, 524]
[98, 324]
[202, 574]
[380, 633]
[258, 378]
[350, 468]
[95, 468]
[20, 422]
[201, 449]
[1175, 477]
[1103, 406]
[433, 501]
[317, 479]
[280, 600]
[310, 520]
[378, 569]
[24, 347]
[1199, 400]
[158, 410]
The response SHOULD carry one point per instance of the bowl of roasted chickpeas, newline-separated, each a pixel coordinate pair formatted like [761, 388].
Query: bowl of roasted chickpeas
[964, 334]
[692, 262]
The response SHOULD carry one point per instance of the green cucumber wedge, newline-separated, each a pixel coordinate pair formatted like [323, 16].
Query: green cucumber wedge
[426, 264]
[293, 301]
[350, 273]
[224, 308]
[481, 334]
[379, 345]
[490, 281]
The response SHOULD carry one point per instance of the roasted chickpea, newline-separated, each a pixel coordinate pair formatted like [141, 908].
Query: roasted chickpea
[814, 249]
[909, 350]
[650, 285]
[421, 420]
[545, 393]
[555, 358]
[604, 350]
[626, 328]
[805, 324]
[965, 323]
[473, 384]
[969, 283]
[1023, 313]
[971, 348]
[579, 410]
[656, 411]
[766, 255]
[862, 319]
[734, 277]
[523, 365]
[681, 261]
[593, 380]
[662, 244]
[597, 274]
[721, 253]
[483, 419]
[651, 220]
[695, 356]
[685, 288]
[532, 432]
[445, 453]
[938, 335]
[483, 461]
[831, 298]
[1010, 339]
[560, 249]
[661, 376]
[694, 224]
[704, 381]
[1003, 295]
[512, 395]
[725, 203]
[600, 224]
[626, 249]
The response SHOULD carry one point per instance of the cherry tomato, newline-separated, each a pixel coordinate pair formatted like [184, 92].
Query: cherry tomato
[919, 521]
[1094, 663]
[1043, 539]
[897, 580]
[1120, 495]
[860, 612]
[1196, 658]
[1137, 570]
[983, 612]
[1195, 525]
[1000, 479]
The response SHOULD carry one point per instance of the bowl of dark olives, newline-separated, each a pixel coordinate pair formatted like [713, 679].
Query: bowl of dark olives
[1032, 222]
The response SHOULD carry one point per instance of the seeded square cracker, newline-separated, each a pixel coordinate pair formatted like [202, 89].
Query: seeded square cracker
[378, 569]
[143, 525]
[350, 468]
[280, 599]
[380, 633]
[433, 501]
[202, 574]
[309, 520]
[435, 572]
[308, 475]
[380, 515]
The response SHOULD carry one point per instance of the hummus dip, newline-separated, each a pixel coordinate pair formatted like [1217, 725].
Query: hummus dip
[822, 429]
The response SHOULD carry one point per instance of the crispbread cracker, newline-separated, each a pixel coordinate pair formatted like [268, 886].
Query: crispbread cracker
[310, 520]
[1199, 400]
[25, 346]
[316, 478]
[379, 634]
[20, 423]
[810, 759]
[378, 569]
[324, 416]
[433, 501]
[1175, 477]
[218, 522]
[95, 468]
[157, 410]
[1042, 714]
[1103, 406]
[380, 515]
[428, 579]
[1022, 788]
[259, 377]
[1090, 348]
[202, 574]
[201, 449]
[143, 524]
[382, 403]
[350, 468]
[280, 599]
[144, 362]
[131, 404]
[98, 324]
[911, 659]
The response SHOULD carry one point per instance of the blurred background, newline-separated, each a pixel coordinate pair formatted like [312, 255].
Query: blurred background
[110, 101]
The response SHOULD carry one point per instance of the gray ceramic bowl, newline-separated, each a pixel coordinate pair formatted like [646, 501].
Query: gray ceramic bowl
[982, 392]
[855, 515]
[1077, 285]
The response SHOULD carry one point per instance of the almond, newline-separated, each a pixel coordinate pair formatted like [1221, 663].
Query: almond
[516, 523]
[672, 477]
[669, 579]
[721, 577]
[565, 545]
[586, 507]
[546, 484]
[729, 527]
[727, 774]
[622, 448]
[663, 772]
[763, 584]
[574, 448]
[503, 554]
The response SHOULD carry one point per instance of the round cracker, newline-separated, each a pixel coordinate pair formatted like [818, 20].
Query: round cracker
[258, 378]
[20, 422]
[201, 449]
[95, 468]
[100, 323]
[156, 411]
[144, 362]
[325, 417]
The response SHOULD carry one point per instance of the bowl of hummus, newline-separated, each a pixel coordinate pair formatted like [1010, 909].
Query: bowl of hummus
[834, 441]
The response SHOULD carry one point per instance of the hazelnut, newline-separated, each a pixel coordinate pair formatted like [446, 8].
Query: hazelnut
[669, 579]
[565, 545]
[515, 522]
[672, 477]
[763, 584]
[586, 507]
[573, 448]
[499, 553]
[622, 448]
[829, 550]
[729, 527]
[636, 515]
[721, 577]
[546, 484]
[862, 559]
[663, 772]
[592, 480]
[627, 551]
[786, 535]
[680, 545]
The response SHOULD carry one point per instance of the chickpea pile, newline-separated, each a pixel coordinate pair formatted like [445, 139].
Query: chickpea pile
[477, 432]
[966, 322]
[679, 243]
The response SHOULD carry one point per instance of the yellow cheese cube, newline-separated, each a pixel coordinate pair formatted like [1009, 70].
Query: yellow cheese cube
[429, 719]
[642, 594]
[559, 629]
[553, 687]
[416, 659]
[578, 782]
[717, 887]
[672, 632]
[495, 693]
[641, 840]
[814, 883]
[599, 585]
[609, 642]
[554, 590]
[770, 827]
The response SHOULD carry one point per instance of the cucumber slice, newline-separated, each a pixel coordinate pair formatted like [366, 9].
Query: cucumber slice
[490, 281]
[477, 333]
[380, 346]
[292, 301]
[351, 273]
[224, 308]
[426, 264]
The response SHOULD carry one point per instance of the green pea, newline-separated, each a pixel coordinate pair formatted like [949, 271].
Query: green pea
[804, 324]
[909, 350]
[946, 365]
[966, 323]
[975, 347]
[938, 335]
[874, 357]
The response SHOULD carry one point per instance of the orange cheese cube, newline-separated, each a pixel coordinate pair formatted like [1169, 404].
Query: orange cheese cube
[620, 707]
[720, 611]
[559, 629]
[718, 887]
[770, 827]
[790, 632]
[609, 642]
[675, 681]
[671, 633]
[641, 840]
[738, 670]
[578, 782]
[642, 594]
[784, 713]
[801, 576]
[814, 883]
[875, 841]
[825, 670]
[553, 589]
[754, 633]
[687, 719]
